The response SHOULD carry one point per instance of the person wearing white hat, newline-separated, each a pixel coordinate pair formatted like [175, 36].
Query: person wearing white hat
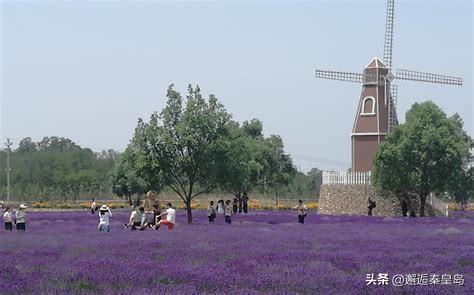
[20, 218]
[104, 214]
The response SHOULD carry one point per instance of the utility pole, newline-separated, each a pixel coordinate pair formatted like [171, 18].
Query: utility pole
[8, 145]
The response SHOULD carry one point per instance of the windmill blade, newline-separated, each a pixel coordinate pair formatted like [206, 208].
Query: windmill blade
[341, 76]
[427, 77]
[392, 107]
[388, 44]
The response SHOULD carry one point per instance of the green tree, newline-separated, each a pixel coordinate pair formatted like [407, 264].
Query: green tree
[132, 175]
[421, 156]
[181, 143]
[242, 159]
[282, 171]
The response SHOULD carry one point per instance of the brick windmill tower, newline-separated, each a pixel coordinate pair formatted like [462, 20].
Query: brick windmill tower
[376, 113]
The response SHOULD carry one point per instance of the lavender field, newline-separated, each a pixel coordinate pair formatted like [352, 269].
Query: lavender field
[259, 253]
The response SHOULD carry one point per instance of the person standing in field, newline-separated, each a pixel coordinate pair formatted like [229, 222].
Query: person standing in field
[220, 206]
[104, 214]
[235, 203]
[370, 207]
[301, 208]
[228, 212]
[93, 206]
[211, 212]
[245, 200]
[20, 218]
[170, 218]
[7, 219]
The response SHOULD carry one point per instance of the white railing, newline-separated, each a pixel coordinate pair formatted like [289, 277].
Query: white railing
[345, 177]
[438, 204]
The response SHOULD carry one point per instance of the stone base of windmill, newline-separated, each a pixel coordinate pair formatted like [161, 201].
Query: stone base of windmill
[351, 199]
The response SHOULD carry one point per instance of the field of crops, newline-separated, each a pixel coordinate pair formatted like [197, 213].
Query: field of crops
[259, 253]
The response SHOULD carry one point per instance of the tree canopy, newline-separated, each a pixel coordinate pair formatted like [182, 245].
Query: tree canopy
[181, 142]
[425, 154]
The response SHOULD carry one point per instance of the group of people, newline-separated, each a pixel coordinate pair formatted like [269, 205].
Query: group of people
[19, 218]
[222, 207]
[228, 209]
[141, 220]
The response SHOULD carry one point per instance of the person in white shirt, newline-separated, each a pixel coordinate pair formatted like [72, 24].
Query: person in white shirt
[170, 218]
[220, 206]
[20, 219]
[228, 212]
[7, 219]
[211, 212]
[104, 214]
[301, 208]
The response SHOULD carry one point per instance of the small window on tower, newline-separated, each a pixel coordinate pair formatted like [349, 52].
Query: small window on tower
[368, 106]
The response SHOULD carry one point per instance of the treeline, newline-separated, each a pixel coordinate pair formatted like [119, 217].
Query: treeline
[56, 168]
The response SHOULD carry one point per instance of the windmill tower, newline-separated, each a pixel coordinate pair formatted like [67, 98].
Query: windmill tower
[376, 113]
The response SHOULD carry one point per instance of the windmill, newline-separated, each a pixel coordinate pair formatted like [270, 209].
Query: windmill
[376, 113]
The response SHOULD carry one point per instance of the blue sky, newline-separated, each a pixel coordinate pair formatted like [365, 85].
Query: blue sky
[88, 70]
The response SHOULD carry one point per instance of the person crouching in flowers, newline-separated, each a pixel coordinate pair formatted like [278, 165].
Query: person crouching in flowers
[7, 219]
[170, 218]
[104, 214]
[20, 218]
[211, 212]
[228, 212]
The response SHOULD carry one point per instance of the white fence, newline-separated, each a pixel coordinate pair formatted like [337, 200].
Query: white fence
[439, 205]
[344, 177]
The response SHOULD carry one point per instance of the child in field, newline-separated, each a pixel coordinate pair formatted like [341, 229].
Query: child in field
[170, 218]
[7, 219]
[137, 218]
[104, 214]
[211, 212]
[301, 208]
[20, 218]
[228, 212]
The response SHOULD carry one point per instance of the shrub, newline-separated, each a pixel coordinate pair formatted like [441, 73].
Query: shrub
[41, 205]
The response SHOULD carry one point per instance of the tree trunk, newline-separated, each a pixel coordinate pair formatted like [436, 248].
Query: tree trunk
[129, 199]
[422, 205]
[189, 213]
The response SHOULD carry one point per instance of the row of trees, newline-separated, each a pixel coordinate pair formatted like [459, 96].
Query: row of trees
[429, 153]
[57, 167]
[193, 147]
